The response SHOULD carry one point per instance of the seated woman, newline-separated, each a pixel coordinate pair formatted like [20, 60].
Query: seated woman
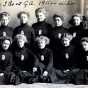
[24, 60]
[67, 60]
[5, 60]
[45, 58]
[82, 77]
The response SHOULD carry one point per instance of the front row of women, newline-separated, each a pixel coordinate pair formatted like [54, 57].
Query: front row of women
[18, 64]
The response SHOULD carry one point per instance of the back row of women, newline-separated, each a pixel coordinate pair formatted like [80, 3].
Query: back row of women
[43, 53]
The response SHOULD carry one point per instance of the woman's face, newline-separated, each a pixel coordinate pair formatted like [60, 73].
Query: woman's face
[20, 43]
[58, 21]
[5, 44]
[40, 16]
[76, 20]
[65, 42]
[23, 18]
[85, 45]
[5, 20]
[41, 44]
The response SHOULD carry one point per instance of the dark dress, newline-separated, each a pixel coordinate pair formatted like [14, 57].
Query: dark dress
[6, 64]
[42, 28]
[24, 61]
[55, 44]
[79, 33]
[68, 58]
[45, 63]
[82, 76]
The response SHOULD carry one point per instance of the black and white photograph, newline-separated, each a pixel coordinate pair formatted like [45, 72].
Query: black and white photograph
[43, 43]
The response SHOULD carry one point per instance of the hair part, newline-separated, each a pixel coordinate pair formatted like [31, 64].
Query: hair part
[41, 10]
[56, 16]
[22, 12]
[6, 14]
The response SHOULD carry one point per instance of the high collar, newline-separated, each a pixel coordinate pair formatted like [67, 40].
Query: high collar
[42, 22]
[67, 47]
[86, 52]
[59, 28]
[3, 26]
[78, 26]
[2, 50]
[24, 24]
[18, 48]
[42, 50]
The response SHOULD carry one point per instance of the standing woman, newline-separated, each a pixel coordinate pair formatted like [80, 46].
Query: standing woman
[41, 27]
[24, 28]
[5, 29]
[77, 28]
[58, 31]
